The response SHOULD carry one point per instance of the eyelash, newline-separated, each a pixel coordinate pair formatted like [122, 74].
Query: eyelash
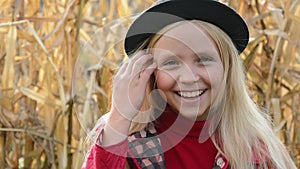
[204, 59]
[170, 62]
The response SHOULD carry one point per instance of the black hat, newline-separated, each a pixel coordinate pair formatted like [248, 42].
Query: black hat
[165, 12]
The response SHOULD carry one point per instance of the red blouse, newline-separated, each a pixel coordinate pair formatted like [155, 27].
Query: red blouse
[180, 142]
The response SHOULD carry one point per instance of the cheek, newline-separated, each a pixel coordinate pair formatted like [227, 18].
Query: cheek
[214, 76]
[164, 80]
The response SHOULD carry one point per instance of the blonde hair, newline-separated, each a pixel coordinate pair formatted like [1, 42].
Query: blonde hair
[241, 132]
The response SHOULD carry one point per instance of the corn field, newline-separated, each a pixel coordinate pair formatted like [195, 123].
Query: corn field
[57, 59]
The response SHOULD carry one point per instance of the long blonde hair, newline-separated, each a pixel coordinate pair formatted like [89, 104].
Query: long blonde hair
[243, 133]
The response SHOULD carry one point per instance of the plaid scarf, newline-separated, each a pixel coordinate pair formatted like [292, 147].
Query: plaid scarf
[145, 149]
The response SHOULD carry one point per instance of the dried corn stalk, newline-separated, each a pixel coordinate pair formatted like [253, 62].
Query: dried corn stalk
[57, 59]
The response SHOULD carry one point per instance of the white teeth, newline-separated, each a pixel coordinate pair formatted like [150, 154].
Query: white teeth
[191, 94]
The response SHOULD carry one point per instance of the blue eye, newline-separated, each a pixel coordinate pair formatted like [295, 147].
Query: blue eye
[204, 59]
[170, 63]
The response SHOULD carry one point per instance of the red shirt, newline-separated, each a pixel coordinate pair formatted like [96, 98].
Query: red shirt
[180, 142]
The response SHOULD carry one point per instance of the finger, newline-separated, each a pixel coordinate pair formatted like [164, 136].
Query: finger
[143, 62]
[123, 68]
[145, 75]
[133, 60]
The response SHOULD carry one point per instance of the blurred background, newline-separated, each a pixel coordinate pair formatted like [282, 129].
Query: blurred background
[57, 59]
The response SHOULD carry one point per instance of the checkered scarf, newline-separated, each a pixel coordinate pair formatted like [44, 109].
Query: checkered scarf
[146, 150]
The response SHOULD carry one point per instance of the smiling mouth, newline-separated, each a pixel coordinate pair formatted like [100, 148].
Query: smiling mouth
[191, 94]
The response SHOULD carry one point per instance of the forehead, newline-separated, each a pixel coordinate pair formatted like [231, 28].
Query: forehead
[187, 36]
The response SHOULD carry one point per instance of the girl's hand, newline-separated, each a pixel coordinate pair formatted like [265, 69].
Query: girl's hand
[129, 90]
[129, 85]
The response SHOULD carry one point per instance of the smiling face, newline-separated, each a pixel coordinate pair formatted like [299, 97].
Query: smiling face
[189, 71]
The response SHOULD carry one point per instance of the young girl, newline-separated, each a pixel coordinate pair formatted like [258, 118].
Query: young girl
[180, 101]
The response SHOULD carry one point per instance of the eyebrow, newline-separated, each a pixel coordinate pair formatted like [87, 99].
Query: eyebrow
[168, 55]
[196, 54]
[163, 57]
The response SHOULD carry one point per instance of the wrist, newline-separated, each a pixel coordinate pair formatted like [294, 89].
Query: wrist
[116, 129]
[119, 123]
[118, 120]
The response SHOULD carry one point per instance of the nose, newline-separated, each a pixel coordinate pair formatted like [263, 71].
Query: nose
[188, 74]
